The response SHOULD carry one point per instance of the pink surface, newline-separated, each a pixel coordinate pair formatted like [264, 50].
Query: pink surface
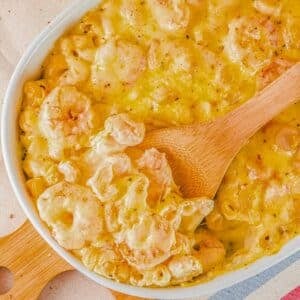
[293, 295]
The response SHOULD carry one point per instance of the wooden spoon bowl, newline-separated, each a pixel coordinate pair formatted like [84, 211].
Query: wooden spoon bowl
[200, 154]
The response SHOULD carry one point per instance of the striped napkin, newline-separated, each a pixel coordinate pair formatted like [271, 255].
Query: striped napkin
[281, 281]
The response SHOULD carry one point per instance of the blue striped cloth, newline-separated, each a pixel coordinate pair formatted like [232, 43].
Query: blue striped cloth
[241, 290]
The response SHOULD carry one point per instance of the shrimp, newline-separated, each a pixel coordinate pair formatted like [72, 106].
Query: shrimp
[118, 62]
[73, 213]
[65, 120]
[120, 131]
[69, 170]
[126, 211]
[273, 70]
[208, 249]
[250, 42]
[155, 165]
[101, 182]
[104, 144]
[148, 243]
[171, 15]
[284, 137]
[267, 8]
[288, 139]
[132, 12]
[184, 268]
[169, 54]
[101, 185]
[124, 130]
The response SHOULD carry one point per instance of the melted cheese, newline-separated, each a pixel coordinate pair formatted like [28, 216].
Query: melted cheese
[130, 66]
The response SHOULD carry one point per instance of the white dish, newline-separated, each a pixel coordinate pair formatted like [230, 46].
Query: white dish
[27, 68]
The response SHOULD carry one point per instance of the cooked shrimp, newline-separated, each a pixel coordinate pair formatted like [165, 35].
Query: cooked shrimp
[69, 170]
[121, 164]
[73, 213]
[250, 42]
[268, 7]
[208, 249]
[101, 185]
[104, 143]
[132, 12]
[148, 243]
[124, 130]
[169, 54]
[155, 165]
[118, 62]
[171, 15]
[110, 168]
[120, 131]
[273, 70]
[287, 138]
[216, 67]
[127, 211]
[283, 137]
[65, 119]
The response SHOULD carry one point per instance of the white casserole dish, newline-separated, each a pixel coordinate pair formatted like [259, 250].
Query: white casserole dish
[27, 68]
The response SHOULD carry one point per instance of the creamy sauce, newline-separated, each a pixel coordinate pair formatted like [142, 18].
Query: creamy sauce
[132, 66]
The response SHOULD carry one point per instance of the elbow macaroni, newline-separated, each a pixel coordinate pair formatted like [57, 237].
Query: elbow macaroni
[132, 66]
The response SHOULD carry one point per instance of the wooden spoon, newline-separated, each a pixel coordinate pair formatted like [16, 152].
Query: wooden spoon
[199, 154]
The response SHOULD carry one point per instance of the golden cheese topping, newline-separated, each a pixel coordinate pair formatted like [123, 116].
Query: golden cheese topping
[131, 66]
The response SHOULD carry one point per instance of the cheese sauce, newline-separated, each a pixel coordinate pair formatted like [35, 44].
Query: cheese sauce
[128, 67]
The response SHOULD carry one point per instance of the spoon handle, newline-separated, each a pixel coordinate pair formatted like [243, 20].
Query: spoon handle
[247, 119]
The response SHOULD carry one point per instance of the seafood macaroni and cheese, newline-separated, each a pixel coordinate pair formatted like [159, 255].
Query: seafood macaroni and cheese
[128, 67]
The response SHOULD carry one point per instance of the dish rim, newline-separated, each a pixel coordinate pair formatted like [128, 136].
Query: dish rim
[40, 48]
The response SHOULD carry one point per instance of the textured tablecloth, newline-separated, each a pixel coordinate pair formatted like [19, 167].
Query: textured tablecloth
[20, 22]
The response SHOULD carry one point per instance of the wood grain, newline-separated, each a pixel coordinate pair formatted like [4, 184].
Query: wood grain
[200, 154]
[32, 262]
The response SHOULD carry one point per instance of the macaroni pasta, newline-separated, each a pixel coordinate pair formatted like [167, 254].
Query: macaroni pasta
[128, 67]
